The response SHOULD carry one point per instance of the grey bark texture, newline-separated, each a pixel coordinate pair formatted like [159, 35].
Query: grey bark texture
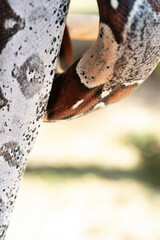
[30, 38]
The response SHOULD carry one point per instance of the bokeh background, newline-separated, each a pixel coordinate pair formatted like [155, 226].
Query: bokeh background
[96, 177]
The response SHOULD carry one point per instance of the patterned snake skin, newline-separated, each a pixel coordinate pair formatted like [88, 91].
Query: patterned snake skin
[125, 53]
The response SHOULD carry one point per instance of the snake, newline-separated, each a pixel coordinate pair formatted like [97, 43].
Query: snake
[125, 53]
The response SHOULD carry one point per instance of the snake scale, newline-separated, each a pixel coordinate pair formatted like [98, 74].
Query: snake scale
[125, 53]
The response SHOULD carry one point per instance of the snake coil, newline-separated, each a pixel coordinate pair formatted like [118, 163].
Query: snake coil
[125, 53]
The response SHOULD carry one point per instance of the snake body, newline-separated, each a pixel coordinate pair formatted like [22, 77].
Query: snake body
[125, 53]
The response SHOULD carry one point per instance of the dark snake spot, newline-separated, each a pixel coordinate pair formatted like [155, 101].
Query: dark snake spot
[7, 14]
[11, 153]
[30, 75]
[3, 100]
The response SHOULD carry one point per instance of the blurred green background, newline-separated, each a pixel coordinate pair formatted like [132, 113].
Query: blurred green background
[96, 177]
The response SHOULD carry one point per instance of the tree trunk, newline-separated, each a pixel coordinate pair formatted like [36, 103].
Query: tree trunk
[30, 38]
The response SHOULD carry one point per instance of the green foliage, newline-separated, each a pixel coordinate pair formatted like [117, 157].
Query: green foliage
[157, 70]
[147, 171]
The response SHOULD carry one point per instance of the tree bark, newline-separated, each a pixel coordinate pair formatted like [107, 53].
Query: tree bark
[30, 38]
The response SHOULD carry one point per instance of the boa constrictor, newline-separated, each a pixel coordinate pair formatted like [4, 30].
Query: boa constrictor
[125, 53]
